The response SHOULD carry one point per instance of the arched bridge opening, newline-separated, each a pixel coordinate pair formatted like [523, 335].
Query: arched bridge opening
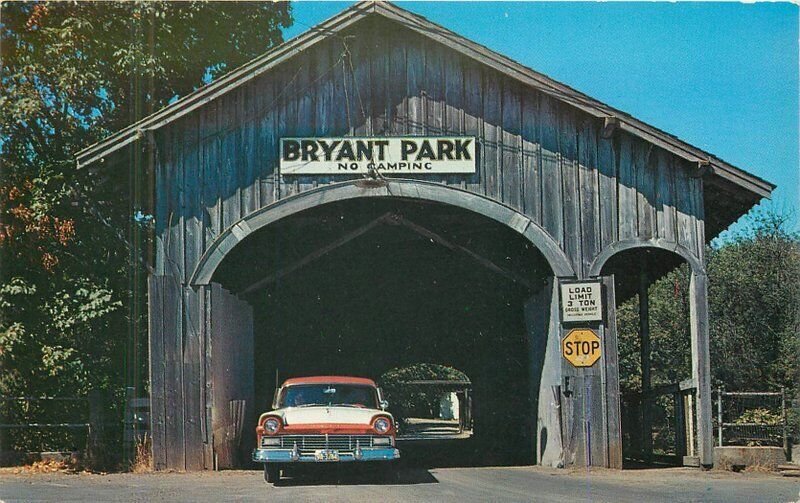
[365, 285]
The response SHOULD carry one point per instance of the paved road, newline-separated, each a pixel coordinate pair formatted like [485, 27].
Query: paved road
[414, 484]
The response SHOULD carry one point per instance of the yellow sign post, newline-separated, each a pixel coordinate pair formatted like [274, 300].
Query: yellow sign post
[581, 347]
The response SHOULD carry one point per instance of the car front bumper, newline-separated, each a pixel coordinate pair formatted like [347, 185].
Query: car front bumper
[387, 453]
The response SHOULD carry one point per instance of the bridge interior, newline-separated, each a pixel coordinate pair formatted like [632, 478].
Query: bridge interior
[364, 286]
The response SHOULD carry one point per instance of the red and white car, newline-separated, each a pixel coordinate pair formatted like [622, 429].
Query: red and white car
[325, 419]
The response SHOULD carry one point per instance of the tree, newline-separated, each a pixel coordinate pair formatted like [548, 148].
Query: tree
[754, 291]
[72, 73]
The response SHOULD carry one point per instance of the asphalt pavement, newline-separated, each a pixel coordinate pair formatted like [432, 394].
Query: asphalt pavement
[413, 484]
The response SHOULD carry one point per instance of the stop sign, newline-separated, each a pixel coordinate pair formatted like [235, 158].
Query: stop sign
[581, 347]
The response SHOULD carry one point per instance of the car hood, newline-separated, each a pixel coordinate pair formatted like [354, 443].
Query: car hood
[327, 415]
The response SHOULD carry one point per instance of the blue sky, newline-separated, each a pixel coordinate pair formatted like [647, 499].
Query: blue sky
[722, 76]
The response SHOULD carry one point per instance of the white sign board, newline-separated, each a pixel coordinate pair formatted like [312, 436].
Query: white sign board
[395, 155]
[581, 302]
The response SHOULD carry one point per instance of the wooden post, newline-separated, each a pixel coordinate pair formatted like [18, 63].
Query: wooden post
[3, 443]
[644, 335]
[787, 448]
[701, 367]
[719, 415]
[97, 449]
[690, 445]
[611, 376]
[680, 426]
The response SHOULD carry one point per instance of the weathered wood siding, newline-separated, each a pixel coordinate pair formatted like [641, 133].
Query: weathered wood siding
[178, 341]
[537, 155]
[233, 411]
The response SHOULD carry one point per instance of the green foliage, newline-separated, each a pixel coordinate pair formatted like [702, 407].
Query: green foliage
[71, 291]
[670, 351]
[754, 291]
[416, 401]
[759, 416]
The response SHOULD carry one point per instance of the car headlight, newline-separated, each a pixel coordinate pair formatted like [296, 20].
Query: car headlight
[272, 425]
[382, 425]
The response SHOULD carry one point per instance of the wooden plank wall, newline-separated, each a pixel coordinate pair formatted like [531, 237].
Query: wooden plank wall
[590, 396]
[177, 341]
[233, 406]
[536, 155]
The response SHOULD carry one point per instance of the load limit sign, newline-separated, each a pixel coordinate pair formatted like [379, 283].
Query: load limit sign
[581, 301]
[581, 347]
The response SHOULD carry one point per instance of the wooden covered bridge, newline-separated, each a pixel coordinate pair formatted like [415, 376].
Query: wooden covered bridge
[266, 264]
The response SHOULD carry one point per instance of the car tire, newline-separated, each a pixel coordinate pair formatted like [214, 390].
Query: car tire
[272, 473]
[389, 474]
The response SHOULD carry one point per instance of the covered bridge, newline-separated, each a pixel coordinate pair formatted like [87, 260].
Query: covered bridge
[269, 261]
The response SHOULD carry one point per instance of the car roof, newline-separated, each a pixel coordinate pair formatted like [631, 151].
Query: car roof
[329, 380]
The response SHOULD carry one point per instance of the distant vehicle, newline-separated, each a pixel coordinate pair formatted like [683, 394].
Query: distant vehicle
[325, 419]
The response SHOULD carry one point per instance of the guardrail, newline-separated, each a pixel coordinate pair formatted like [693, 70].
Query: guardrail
[20, 418]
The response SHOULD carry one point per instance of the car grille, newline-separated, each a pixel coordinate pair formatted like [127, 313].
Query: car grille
[310, 443]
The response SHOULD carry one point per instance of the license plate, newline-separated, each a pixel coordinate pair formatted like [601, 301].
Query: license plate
[326, 455]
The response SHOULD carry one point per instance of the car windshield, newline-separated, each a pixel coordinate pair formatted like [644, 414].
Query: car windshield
[300, 395]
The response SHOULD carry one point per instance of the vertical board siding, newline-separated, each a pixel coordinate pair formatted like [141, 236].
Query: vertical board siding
[155, 343]
[569, 173]
[173, 348]
[379, 61]
[250, 183]
[305, 121]
[646, 188]
[473, 120]
[396, 87]
[433, 100]
[232, 372]
[511, 164]
[535, 154]
[607, 190]
[161, 204]
[550, 162]
[453, 107]
[531, 181]
[683, 192]
[266, 137]
[665, 204]
[193, 218]
[492, 127]
[192, 380]
[611, 376]
[589, 203]
[415, 74]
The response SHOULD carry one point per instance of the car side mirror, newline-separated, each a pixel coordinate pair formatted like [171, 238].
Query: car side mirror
[384, 405]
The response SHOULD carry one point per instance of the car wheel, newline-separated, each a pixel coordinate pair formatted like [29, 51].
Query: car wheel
[272, 473]
[389, 473]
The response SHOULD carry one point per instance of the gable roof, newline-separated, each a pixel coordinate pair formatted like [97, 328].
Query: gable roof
[542, 83]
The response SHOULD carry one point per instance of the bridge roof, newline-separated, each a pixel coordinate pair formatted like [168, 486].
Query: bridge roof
[749, 187]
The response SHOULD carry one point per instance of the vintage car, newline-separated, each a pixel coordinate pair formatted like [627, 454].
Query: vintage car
[325, 419]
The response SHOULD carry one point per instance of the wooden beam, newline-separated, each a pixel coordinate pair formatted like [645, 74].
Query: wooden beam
[610, 125]
[316, 254]
[423, 231]
[701, 368]
[611, 369]
[644, 336]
